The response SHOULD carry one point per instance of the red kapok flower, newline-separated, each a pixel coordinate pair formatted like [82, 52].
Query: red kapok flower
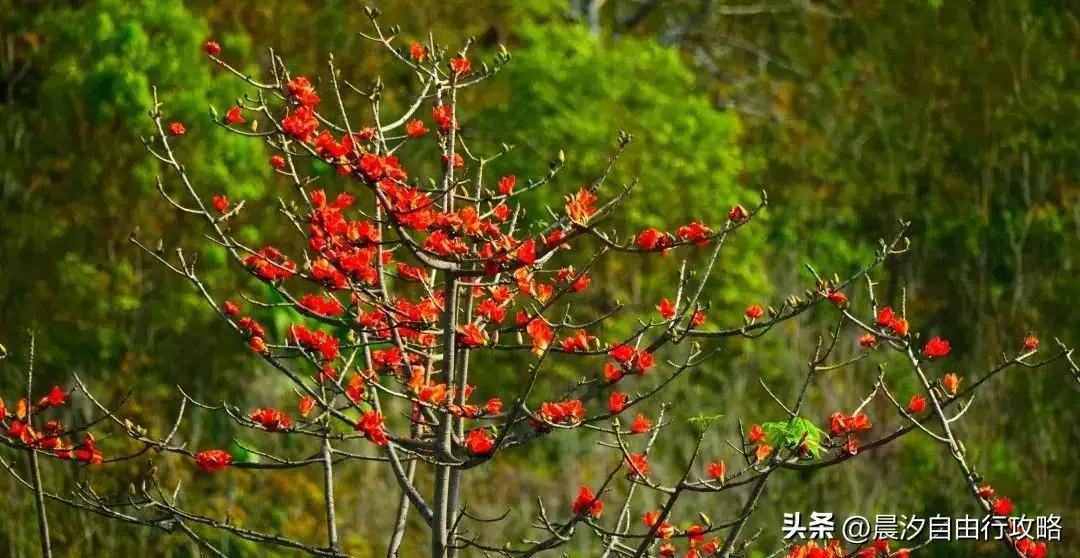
[211, 48]
[643, 361]
[1002, 506]
[88, 452]
[885, 316]
[900, 326]
[841, 424]
[581, 283]
[638, 465]
[737, 214]
[506, 185]
[493, 406]
[271, 419]
[230, 308]
[838, 298]
[950, 382]
[716, 470]
[917, 404]
[612, 373]
[640, 425]
[460, 65]
[221, 203]
[697, 319]
[579, 206]
[472, 335]
[587, 503]
[277, 161]
[372, 424]
[936, 348]
[233, 116]
[307, 403]
[622, 353]
[479, 441]
[55, 398]
[754, 311]
[1031, 343]
[868, 340]
[666, 308]
[651, 239]
[415, 128]
[617, 402]
[757, 434]
[458, 161]
[417, 52]
[176, 128]
[257, 344]
[213, 461]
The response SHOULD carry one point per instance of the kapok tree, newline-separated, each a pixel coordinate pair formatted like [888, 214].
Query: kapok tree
[408, 283]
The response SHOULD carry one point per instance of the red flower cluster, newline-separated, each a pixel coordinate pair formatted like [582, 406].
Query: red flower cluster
[579, 206]
[271, 419]
[640, 425]
[617, 402]
[213, 461]
[716, 470]
[302, 92]
[652, 240]
[838, 298]
[472, 335]
[373, 426]
[578, 342]
[415, 128]
[221, 203]
[562, 412]
[506, 185]
[587, 503]
[270, 264]
[737, 214]
[316, 340]
[56, 398]
[479, 441]
[233, 116]
[307, 404]
[1031, 549]
[917, 404]
[888, 319]
[326, 306]
[629, 359]
[811, 550]
[460, 65]
[666, 308]
[841, 424]
[936, 348]
[695, 232]
[950, 382]
[417, 52]
[638, 465]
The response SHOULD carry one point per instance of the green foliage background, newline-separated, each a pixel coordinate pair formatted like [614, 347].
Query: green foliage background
[962, 117]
